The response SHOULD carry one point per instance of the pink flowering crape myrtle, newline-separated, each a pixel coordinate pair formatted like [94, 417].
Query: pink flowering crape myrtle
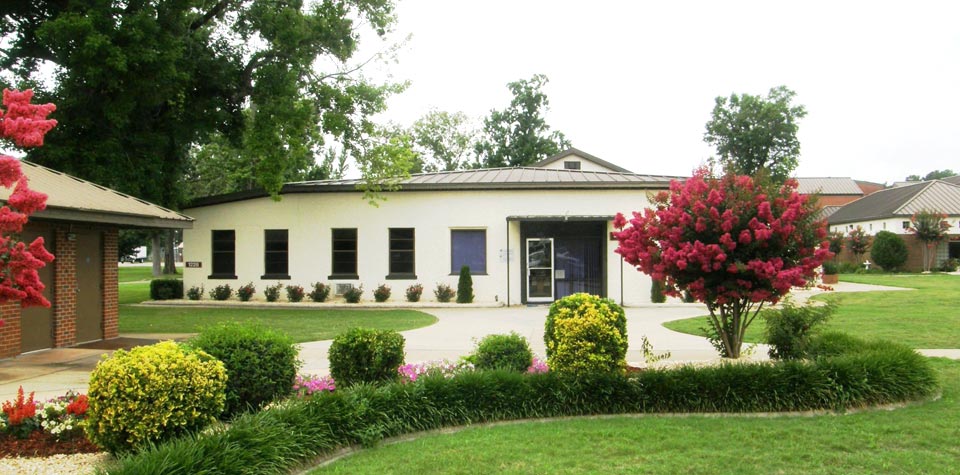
[25, 125]
[730, 242]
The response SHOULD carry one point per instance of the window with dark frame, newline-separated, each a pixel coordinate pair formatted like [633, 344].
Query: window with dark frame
[224, 246]
[571, 165]
[275, 254]
[402, 257]
[468, 247]
[344, 259]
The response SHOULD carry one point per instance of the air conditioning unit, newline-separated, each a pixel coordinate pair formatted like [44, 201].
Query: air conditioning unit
[343, 288]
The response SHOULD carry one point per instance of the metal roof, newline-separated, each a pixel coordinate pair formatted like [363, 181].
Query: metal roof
[828, 186]
[580, 153]
[483, 179]
[71, 199]
[953, 180]
[937, 195]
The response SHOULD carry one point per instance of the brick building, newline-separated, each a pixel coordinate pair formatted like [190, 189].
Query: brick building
[891, 209]
[80, 227]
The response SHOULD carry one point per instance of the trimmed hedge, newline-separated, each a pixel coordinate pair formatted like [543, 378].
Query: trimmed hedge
[166, 289]
[275, 440]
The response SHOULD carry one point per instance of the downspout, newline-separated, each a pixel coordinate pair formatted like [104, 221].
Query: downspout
[508, 262]
[621, 281]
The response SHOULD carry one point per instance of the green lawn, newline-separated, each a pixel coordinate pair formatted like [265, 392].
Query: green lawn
[916, 439]
[302, 324]
[928, 317]
[139, 273]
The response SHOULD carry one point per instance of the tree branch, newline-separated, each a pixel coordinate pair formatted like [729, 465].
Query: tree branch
[216, 10]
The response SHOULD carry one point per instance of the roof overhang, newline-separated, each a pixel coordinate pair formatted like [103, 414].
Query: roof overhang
[99, 217]
[556, 218]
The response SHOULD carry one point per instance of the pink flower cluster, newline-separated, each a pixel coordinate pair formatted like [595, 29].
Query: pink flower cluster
[726, 239]
[25, 124]
[411, 371]
[309, 384]
[538, 366]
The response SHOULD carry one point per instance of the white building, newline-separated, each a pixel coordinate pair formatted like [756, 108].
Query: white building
[529, 235]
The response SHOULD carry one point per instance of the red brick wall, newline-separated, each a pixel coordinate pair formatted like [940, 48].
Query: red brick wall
[10, 331]
[836, 200]
[65, 290]
[111, 310]
[914, 257]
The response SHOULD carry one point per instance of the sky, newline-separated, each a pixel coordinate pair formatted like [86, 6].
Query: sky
[633, 83]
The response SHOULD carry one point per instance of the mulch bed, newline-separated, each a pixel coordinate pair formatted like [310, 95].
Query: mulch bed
[41, 444]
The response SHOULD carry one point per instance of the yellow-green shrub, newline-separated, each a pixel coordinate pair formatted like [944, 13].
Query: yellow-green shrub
[586, 334]
[153, 393]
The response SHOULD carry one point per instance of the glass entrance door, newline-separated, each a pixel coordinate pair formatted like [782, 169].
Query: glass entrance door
[540, 270]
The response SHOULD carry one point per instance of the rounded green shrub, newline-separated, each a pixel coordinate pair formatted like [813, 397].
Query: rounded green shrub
[363, 355]
[586, 334]
[261, 363]
[889, 251]
[790, 328]
[509, 352]
[151, 394]
[166, 289]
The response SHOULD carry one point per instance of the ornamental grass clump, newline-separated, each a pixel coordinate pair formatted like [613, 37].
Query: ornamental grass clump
[261, 363]
[585, 335]
[151, 394]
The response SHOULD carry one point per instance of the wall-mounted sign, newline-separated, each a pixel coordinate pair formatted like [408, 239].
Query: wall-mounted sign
[194, 264]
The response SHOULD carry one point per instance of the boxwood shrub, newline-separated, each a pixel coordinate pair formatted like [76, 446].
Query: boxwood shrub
[510, 352]
[166, 289]
[363, 355]
[261, 363]
[586, 334]
[277, 439]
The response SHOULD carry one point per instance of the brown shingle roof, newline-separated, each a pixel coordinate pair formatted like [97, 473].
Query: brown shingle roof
[71, 199]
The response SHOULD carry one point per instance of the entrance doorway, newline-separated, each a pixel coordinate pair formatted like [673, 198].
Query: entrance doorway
[562, 258]
[36, 323]
[540, 273]
[89, 286]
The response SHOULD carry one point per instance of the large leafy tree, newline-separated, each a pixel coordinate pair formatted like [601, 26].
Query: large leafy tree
[519, 135]
[139, 84]
[755, 134]
[444, 141]
[731, 243]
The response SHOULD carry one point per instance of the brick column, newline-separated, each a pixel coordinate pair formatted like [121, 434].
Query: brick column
[65, 291]
[111, 311]
[10, 331]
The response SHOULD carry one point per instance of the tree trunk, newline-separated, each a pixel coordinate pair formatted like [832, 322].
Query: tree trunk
[155, 252]
[169, 261]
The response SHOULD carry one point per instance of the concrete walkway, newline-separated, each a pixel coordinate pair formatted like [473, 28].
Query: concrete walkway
[51, 373]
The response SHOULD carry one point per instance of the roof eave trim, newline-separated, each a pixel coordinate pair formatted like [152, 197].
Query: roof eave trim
[79, 216]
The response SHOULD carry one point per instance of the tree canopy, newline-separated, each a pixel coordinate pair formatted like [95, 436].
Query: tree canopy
[444, 141]
[519, 135]
[754, 134]
[934, 175]
[140, 84]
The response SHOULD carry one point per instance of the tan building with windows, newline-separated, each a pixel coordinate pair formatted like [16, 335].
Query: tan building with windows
[529, 235]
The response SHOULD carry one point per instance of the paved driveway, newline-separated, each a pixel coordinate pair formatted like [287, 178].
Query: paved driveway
[457, 330]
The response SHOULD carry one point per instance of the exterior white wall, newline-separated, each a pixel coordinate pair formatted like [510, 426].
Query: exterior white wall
[309, 218]
[894, 225]
[585, 165]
